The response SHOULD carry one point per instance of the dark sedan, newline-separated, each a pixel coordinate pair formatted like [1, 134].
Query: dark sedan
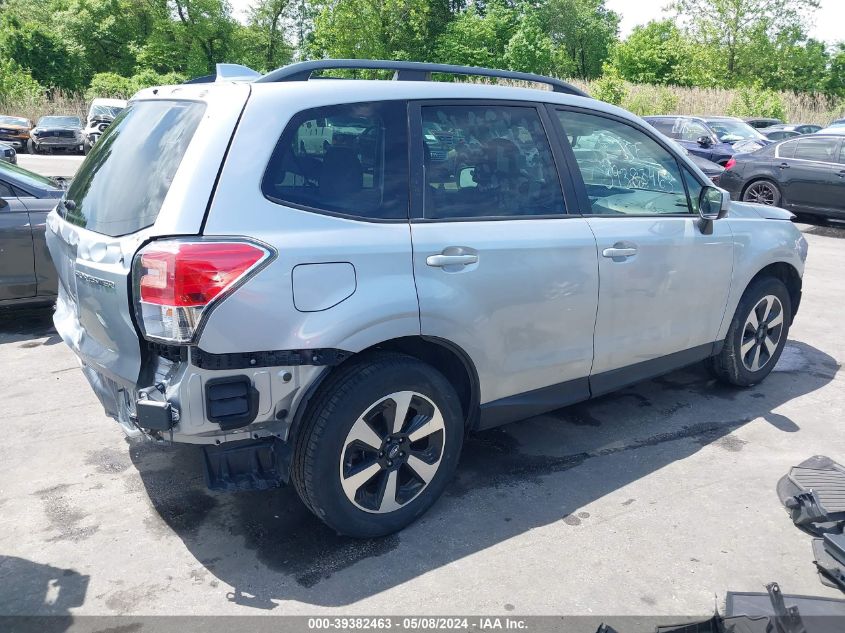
[27, 275]
[804, 175]
[785, 131]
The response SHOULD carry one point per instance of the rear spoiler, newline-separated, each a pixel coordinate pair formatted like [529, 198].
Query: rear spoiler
[227, 72]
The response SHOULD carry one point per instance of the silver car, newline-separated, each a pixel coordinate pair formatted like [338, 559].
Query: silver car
[339, 314]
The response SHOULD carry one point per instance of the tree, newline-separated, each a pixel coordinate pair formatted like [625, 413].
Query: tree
[658, 53]
[583, 32]
[476, 38]
[379, 29]
[262, 42]
[730, 24]
[530, 48]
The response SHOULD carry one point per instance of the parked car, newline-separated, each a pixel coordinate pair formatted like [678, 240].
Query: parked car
[838, 130]
[785, 131]
[100, 115]
[837, 123]
[56, 133]
[14, 131]
[762, 122]
[715, 138]
[8, 154]
[710, 169]
[305, 318]
[804, 175]
[27, 275]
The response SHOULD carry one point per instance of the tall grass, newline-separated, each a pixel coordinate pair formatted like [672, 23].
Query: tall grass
[641, 99]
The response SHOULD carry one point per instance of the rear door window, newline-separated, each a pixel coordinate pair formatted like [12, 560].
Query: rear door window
[122, 184]
[347, 159]
[816, 149]
[484, 161]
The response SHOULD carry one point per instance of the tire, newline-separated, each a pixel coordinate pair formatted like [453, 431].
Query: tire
[763, 192]
[351, 413]
[749, 355]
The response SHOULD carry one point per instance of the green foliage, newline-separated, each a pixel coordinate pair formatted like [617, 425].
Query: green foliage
[530, 49]
[17, 84]
[758, 102]
[583, 33]
[610, 87]
[119, 87]
[479, 39]
[651, 100]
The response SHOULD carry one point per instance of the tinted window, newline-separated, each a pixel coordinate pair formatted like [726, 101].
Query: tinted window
[667, 127]
[787, 150]
[122, 184]
[689, 130]
[625, 170]
[817, 149]
[487, 161]
[6, 191]
[350, 159]
[842, 154]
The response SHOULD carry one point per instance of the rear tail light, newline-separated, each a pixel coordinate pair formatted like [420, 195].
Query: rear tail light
[177, 281]
[730, 164]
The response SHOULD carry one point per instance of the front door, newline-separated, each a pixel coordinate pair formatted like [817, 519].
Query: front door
[501, 270]
[17, 267]
[664, 275]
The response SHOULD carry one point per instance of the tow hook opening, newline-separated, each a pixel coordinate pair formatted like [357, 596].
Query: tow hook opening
[154, 413]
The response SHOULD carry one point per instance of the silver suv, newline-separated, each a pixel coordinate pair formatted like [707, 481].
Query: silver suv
[331, 282]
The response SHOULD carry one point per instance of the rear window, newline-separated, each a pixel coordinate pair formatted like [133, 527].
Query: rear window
[349, 159]
[122, 184]
[816, 149]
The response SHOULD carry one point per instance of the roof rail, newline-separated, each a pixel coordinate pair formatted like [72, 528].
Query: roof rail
[227, 72]
[410, 71]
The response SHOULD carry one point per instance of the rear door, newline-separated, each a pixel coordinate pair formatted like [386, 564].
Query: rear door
[501, 269]
[809, 173]
[17, 268]
[654, 310]
[151, 173]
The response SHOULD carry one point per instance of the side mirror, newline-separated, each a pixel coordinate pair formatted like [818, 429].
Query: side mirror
[705, 141]
[713, 203]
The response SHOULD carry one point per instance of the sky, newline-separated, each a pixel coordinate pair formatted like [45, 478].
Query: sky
[828, 21]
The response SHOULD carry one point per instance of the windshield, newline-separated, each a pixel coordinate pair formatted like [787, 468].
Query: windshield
[26, 177]
[13, 120]
[104, 110]
[122, 184]
[730, 130]
[59, 121]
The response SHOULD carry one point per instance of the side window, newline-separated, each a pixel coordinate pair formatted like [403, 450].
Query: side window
[694, 188]
[787, 150]
[692, 130]
[625, 170]
[842, 154]
[6, 190]
[816, 149]
[667, 127]
[349, 159]
[487, 161]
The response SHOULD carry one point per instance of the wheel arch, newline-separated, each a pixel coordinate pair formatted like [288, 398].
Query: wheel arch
[757, 178]
[449, 359]
[789, 275]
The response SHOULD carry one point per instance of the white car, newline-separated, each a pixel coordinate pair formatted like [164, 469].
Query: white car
[100, 115]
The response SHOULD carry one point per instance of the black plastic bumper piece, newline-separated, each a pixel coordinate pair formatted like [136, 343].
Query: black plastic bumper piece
[247, 465]
[231, 402]
[154, 415]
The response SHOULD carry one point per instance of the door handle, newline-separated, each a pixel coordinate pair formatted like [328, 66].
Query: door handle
[619, 252]
[784, 165]
[841, 174]
[438, 261]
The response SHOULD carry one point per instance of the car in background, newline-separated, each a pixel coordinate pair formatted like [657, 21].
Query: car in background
[837, 130]
[837, 123]
[804, 175]
[715, 138]
[100, 116]
[8, 154]
[56, 133]
[14, 131]
[762, 122]
[789, 130]
[27, 274]
[710, 169]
